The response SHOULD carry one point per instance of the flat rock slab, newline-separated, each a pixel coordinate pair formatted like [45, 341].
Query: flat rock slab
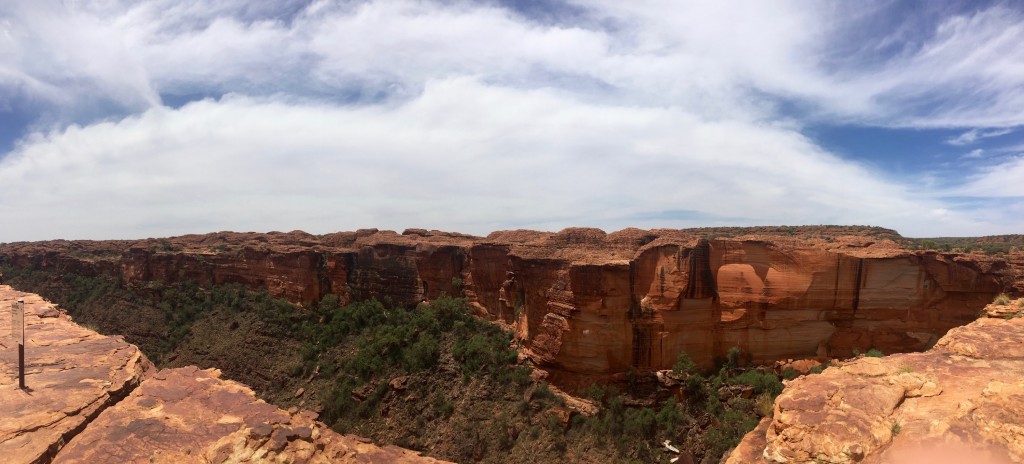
[961, 401]
[190, 415]
[71, 375]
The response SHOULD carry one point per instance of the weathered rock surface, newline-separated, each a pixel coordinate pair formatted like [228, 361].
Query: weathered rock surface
[961, 401]
[588, 305]
[93, 398]
[72, 375]
[188, 415]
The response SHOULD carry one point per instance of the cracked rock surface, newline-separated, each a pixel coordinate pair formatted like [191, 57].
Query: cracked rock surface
[961, 401]
[97, 399]
[72, 374]
[189, 415]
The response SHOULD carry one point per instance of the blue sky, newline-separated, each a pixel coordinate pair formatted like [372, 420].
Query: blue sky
[141, 118]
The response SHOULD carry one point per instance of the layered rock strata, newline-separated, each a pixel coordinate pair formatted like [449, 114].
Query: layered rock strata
[72, 375]
[961, 401]
[94, 398]
[590, 304]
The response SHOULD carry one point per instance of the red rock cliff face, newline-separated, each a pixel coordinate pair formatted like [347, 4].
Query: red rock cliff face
[588, 304]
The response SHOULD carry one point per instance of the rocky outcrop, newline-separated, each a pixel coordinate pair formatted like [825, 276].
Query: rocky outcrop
[94, 398]
[587, 305]
[961, 401]
[72, 375]
[188, 415]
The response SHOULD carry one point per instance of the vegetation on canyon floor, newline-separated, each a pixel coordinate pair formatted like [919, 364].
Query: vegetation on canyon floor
[432, 378]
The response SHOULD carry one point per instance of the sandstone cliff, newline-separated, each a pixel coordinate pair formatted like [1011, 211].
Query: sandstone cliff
[961, 401]
[588, 305]
[94, 398]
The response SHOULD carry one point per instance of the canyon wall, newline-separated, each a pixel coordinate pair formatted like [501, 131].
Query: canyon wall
[585, 304]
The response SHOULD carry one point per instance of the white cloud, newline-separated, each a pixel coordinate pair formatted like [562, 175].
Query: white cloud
[974, 154]
[974, 135]
[967, 73]
[1005, 179]
[711, 57]
[70, 59]
[471, 117]
[442, 160]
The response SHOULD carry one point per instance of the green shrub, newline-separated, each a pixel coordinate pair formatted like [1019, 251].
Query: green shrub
[874, 353]
[732, 357]
[713, 402]
[338, 404]
[695, 388]
[484, 352]
[640, 422]
[684, 365]
[820, 368]
[423, 354]
[1001, 299]
[543, 393]
[670, 415]
[763, 382]
[727, 434]
[443, 407]
[593, 393]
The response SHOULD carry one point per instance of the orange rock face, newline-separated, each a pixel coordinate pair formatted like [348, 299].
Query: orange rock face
[587, 305]
[958, 402]
[188, 415]
[93, 398]
[72, 375]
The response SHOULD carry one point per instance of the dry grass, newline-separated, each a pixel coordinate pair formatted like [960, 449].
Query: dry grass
[765, 405]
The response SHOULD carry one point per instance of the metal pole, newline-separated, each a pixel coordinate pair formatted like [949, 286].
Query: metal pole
[21, 343]
[21, 366]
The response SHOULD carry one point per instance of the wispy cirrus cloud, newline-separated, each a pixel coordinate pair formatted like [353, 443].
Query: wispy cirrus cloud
[974, 154]
[974, 135]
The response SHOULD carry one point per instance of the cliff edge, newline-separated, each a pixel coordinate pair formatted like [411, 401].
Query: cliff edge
[960, 401]
[95, 398]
